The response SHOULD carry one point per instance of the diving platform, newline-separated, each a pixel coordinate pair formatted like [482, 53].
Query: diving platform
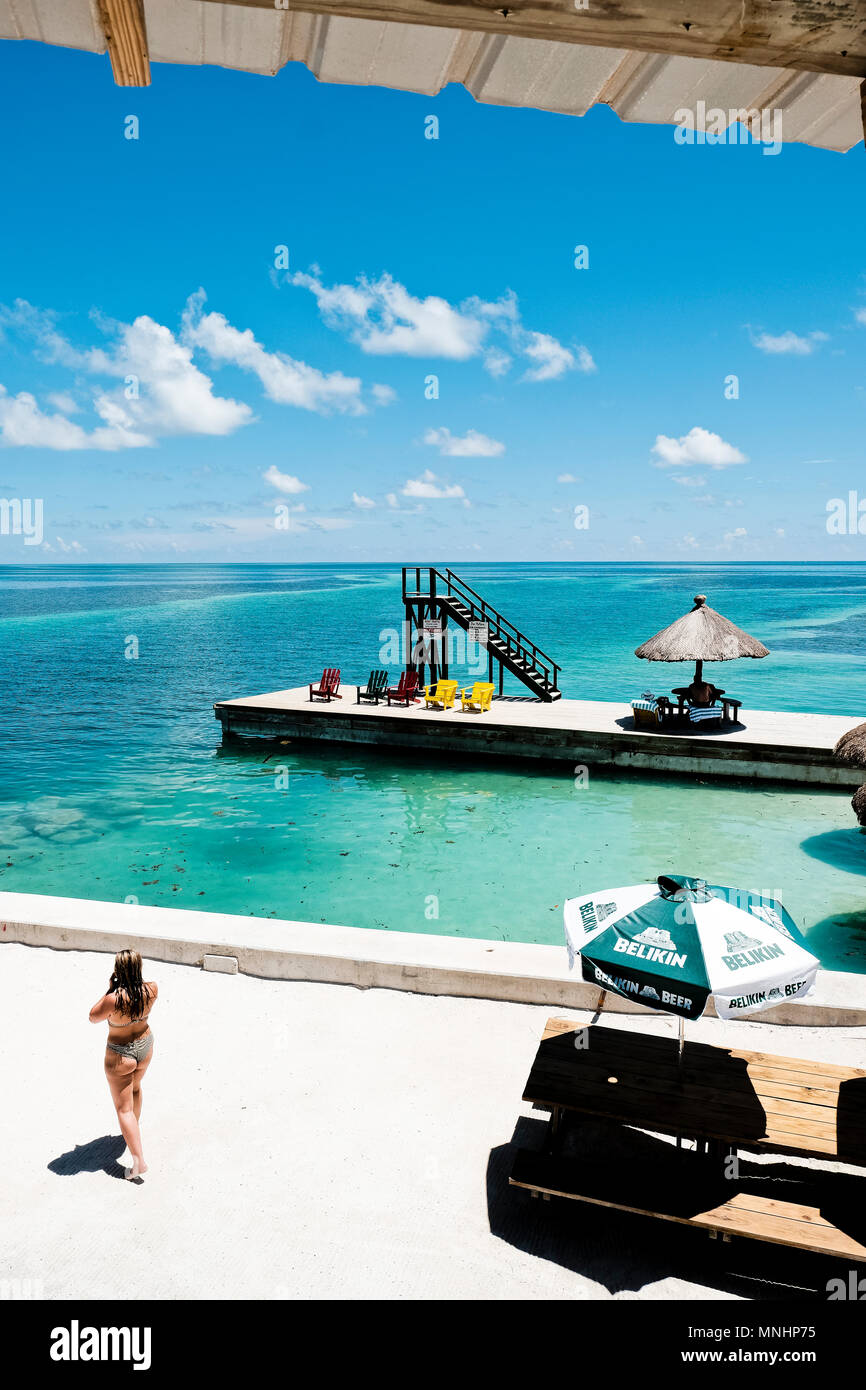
[432, 598]
[768, 745]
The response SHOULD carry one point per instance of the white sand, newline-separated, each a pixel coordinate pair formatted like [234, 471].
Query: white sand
[317, 1141]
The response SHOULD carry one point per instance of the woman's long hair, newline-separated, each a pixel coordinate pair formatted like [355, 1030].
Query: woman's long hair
[131, 994]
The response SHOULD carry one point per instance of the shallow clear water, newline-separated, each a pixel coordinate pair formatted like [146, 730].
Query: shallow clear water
[114, 784]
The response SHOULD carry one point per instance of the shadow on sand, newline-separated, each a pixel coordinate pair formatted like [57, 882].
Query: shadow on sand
[99, 1156]
[625, 1253]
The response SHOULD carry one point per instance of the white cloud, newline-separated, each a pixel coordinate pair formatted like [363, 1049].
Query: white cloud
[70, 547]
[262, 527]
[22, 423]
[365, 503]
[383, 395]
[329, 523]
[496, 361]
[284, 379]
[382, 317]
[699, 446]
[174, 396]
[551, 359]
[688, 480]
[284, 482]
[428, 485]
[162, 391]
[735, 535]
[63, 402]
[689, 542]
[789, 342]
[471, 445]
[860, 315]
[566, 478]
[394, 503]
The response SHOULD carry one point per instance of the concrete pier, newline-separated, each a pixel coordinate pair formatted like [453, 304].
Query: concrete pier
[768, 745]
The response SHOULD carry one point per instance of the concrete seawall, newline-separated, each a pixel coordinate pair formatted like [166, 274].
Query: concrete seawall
[366, 958]
[768, 746]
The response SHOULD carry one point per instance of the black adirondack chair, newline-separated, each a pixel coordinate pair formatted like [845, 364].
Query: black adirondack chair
[377, 688]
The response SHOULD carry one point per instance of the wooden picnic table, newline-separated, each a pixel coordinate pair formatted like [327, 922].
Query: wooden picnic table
[725, 1099]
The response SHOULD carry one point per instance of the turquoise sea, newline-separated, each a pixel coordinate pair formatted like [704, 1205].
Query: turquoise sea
[113, 783]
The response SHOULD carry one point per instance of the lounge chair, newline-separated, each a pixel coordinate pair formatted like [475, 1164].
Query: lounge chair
[479, 696]
[705, 714]
[648, 711]
[328, 686]
[443, 693]
[377, 687]
[406, 691]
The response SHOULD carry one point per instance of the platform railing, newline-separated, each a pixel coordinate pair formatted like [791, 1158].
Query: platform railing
[518, 646]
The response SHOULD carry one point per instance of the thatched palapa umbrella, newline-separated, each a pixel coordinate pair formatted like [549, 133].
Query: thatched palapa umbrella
[851, 749]
[701, 635]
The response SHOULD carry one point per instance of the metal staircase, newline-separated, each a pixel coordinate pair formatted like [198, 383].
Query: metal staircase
[441, 594]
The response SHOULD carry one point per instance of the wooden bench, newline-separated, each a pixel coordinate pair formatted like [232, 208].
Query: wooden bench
[725, 1099]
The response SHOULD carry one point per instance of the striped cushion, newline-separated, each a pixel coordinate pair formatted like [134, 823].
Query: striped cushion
[651, 705]
[697, 716]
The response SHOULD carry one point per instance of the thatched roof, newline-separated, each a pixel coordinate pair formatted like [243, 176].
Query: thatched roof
[701, 635]
[851, 747]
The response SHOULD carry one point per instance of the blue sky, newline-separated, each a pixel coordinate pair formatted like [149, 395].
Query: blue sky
[148, 266]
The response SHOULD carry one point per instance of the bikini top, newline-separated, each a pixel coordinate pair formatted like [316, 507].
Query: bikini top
[126, 1023]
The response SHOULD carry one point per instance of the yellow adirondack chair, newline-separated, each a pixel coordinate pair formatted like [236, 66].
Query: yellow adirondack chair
[479, 697]
[442, 693]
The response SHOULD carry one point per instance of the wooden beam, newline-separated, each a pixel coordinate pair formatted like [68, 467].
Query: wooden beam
[125, 33]
[807, 35]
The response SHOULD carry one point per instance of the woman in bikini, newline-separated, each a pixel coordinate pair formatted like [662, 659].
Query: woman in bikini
[126, 1007]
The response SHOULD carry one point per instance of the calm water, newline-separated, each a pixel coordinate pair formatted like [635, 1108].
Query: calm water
[113, 783]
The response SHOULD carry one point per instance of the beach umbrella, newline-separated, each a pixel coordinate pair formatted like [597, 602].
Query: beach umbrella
[673, 943]
[701, 635]
[851, 749]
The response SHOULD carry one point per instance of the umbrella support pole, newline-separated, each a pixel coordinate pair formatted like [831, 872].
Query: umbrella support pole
[680, 1046]
[599, 1005]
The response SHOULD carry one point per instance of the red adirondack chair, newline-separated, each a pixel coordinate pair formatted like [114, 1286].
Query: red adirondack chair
[328, 686]
[405, 692]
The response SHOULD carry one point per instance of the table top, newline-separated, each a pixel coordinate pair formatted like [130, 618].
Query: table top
[751, 1100]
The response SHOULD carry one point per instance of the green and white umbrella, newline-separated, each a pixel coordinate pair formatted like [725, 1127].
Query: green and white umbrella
[672, 944]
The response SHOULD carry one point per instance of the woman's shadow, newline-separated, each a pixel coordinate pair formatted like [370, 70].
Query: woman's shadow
[100, 1155]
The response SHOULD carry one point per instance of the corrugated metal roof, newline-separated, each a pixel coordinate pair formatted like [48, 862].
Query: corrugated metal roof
[501, 70]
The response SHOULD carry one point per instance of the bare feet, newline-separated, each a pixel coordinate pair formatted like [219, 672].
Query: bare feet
[137, 1170]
